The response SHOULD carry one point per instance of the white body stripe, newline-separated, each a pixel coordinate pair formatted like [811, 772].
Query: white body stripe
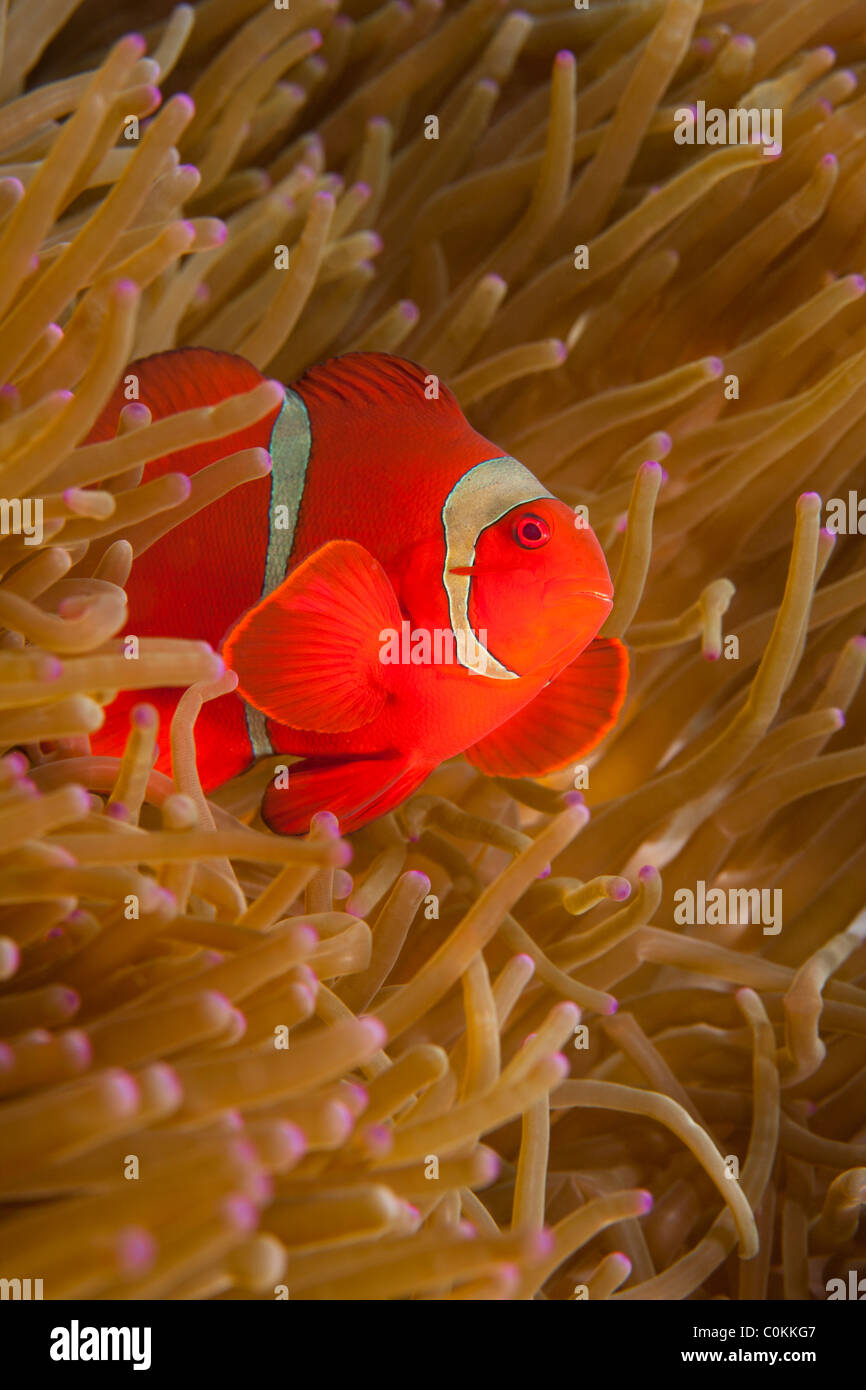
[483, 495]
[290, 454]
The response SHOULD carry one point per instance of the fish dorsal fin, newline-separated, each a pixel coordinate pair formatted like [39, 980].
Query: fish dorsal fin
[380, 383]
[308, 654]
[567, 718]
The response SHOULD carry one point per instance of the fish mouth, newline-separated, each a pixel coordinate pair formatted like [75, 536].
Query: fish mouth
[564, 591]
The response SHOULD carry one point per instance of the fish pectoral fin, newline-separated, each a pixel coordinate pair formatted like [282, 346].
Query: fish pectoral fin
[354, 790]
[308, 654]
[567, 718]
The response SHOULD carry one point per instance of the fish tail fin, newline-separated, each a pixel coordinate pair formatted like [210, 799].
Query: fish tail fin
[354, 791]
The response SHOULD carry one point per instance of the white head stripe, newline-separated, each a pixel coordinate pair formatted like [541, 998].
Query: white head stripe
[483, 495]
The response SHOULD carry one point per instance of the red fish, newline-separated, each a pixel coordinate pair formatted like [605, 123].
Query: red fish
[398, 590]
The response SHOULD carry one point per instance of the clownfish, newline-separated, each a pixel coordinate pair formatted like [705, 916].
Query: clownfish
[397, 590]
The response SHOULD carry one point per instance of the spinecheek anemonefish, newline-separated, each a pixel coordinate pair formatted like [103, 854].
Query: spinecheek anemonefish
[396, 591]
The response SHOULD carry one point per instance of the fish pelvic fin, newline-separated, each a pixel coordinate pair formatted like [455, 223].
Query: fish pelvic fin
[354, 790]
[565, 720]
[308, 655]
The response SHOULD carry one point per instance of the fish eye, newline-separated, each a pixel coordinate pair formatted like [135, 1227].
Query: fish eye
[531, 531]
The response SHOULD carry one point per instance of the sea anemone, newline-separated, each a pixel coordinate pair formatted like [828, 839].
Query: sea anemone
[496, 1057]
